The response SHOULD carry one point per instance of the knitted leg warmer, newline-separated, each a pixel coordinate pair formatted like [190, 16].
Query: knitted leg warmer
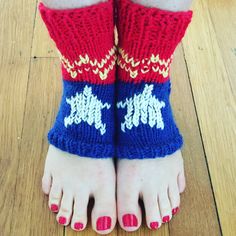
[85, 40]
[147, 40]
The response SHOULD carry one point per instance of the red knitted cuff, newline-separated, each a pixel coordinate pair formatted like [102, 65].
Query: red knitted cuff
[147, 40]
[85, 40]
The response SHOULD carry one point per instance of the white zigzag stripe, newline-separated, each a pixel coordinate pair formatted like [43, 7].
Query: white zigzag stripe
[86, 107]
[142, 108]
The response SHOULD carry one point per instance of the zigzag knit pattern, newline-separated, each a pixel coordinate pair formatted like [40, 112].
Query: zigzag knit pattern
[85, 40]
[147, 40]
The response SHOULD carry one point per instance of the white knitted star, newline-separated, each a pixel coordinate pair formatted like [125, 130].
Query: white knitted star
[87, 108]
[142, 108]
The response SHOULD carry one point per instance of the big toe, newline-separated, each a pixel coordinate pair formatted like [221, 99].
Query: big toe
[129, 212]
[104, 212]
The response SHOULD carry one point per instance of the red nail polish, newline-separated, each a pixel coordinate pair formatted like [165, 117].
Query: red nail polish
[165, 219]
[104, 223]
[130, 220]
[78, 226]
[154, 225]
[175, 210]
[54, 208]
[62, 220]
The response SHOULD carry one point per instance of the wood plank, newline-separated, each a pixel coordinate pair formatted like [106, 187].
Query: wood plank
[16, 32]
[31, 212]
[198, 211]
[223, 18]
[216, 109]
[42, 45]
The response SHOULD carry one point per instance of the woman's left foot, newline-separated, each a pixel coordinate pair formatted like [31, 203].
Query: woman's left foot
[158, 182]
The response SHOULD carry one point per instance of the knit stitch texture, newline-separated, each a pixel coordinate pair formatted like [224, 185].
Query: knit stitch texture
[147, 40]
[85, 40]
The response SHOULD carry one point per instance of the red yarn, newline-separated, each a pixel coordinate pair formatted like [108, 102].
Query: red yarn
[84, 35]
[144, 33]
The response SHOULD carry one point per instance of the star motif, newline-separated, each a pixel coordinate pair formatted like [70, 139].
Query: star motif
[86, 107]
[142, 108]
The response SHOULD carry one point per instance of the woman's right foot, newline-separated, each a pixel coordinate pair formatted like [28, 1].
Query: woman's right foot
[70, 180]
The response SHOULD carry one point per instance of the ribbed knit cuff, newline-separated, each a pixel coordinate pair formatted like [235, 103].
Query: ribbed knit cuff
[85, 40]
[148, 37]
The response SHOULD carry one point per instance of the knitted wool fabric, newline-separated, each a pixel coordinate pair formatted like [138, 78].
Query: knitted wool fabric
[147, 40]
[85, 39]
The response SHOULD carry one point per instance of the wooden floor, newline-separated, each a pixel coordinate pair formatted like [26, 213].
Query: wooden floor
[204, 101]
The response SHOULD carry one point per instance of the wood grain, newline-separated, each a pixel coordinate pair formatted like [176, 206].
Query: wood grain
[16, 31]
[42, 45]
[31, 212]
[216, 107]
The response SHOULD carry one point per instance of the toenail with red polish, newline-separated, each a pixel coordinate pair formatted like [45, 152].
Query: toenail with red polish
[130, 220]
[175, 210]
[154, 225]
[62, 220]
[78, 226]
[165, 219]
[54, 208]
[104, 223]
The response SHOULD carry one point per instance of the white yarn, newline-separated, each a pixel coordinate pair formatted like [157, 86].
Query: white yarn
[87, 108]
[142, 108]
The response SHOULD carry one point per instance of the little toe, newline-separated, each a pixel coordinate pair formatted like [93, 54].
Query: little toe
[104, 212]
[65, 212]
[55, 197]
[174, 197]
[46, 183]
[129, 212]
[79, 218]
[153, 216]
[181, 181]
[165, 207]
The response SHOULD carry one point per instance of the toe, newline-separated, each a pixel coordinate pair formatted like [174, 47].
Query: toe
[104, 212]
[165, 207]
[46, 183]
[79, 219]
[153, 216]
[65, 212]
[55, 197]
[129, 212]
[181, 181]
[174, 197]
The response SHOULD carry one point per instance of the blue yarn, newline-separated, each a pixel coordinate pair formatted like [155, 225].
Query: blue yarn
[139, 134]
[85, 131]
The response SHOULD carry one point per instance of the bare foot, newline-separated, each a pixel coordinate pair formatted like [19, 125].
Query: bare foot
[158, 182]
[70, 180]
